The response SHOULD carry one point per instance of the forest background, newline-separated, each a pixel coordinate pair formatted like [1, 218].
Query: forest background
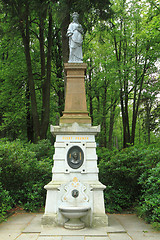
[121, 49]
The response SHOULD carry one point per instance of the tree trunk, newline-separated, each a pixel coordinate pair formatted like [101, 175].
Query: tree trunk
[46, 85]
[104, 126]
[26, 42]
[59, 70]
[111, 124]
[148, 110]
[42, 52]
[29, 119]
[65, 43]
[90, 91]
[123, 106]
[134, 118]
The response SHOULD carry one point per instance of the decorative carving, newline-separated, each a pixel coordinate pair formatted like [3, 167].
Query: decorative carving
[75, 157]
[75, 193]
[75, 190]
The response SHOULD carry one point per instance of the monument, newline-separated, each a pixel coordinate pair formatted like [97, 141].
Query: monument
[75, 195]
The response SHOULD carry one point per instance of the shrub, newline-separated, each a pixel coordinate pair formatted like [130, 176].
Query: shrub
[6, 202]
[149, 207]
[25, 171]
[120, 172]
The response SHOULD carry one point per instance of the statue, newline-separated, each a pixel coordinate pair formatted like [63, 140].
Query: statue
[75, 34]
[75, 159]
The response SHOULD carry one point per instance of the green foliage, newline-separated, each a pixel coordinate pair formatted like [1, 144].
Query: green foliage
[26, 168]
[132, 30]
[120, 172]
[149, 207]
[130, 175]
[6, 202]
[121, 54]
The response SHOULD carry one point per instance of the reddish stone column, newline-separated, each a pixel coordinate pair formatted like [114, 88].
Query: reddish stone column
[75, 99]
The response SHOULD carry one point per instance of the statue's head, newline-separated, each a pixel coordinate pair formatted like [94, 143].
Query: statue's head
[75, 16]
[75, 155]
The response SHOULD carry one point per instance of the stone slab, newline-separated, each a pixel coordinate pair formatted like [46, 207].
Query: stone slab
[72, 238]
[20, 218]
[75, 129]
[30, 236]
[97, 238]
[50, 238]
[35, 225]
[12, 228]
[61, 231]
[132, 223]
[145, 235]
[119, 236]
[136, 229]
[6, 235]
[114, 225]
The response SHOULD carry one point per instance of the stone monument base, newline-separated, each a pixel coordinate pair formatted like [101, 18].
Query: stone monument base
[75, 99]
[84, 179]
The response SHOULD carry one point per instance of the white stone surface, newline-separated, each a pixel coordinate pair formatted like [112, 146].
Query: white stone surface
[97, 238]
[63, 139]
[27, 236]
[74, 129]
[67, 189]
[51, 201]
[98, 200]
[75, 34]
[82, 136]
[73, 238]
[59, 144]
[121, 236]
[91, 167]
[91, 145]
[49, 238]
[86, 232]
[67, 176]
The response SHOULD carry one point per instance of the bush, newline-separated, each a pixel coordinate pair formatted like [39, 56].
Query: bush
[6, 202]
[129, 175]
[149, 207]
[120, 172]
[25, 171]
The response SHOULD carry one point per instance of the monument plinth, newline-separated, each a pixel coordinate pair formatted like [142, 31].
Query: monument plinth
[75, 99]
[75, 196]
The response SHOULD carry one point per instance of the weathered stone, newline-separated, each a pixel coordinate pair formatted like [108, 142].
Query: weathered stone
[75, 99]
[75, 158]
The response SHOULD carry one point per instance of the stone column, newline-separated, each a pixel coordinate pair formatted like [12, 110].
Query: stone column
[75, 130]
[75, 99]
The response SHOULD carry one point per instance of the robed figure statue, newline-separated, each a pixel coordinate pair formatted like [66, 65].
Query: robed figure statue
[75, 34]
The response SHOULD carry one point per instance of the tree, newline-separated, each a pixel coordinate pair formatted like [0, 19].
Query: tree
[101, 84]
[22, 16]
[149, 105]
[33, 21]
[134, 58]
[12, 83]
[121, 52]
[121, 43]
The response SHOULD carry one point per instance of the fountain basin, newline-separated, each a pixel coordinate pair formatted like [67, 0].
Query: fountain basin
[74, 214]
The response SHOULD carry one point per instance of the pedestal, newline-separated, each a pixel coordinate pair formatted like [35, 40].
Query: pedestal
[82, 136]
[75, 161]
[75, 99]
